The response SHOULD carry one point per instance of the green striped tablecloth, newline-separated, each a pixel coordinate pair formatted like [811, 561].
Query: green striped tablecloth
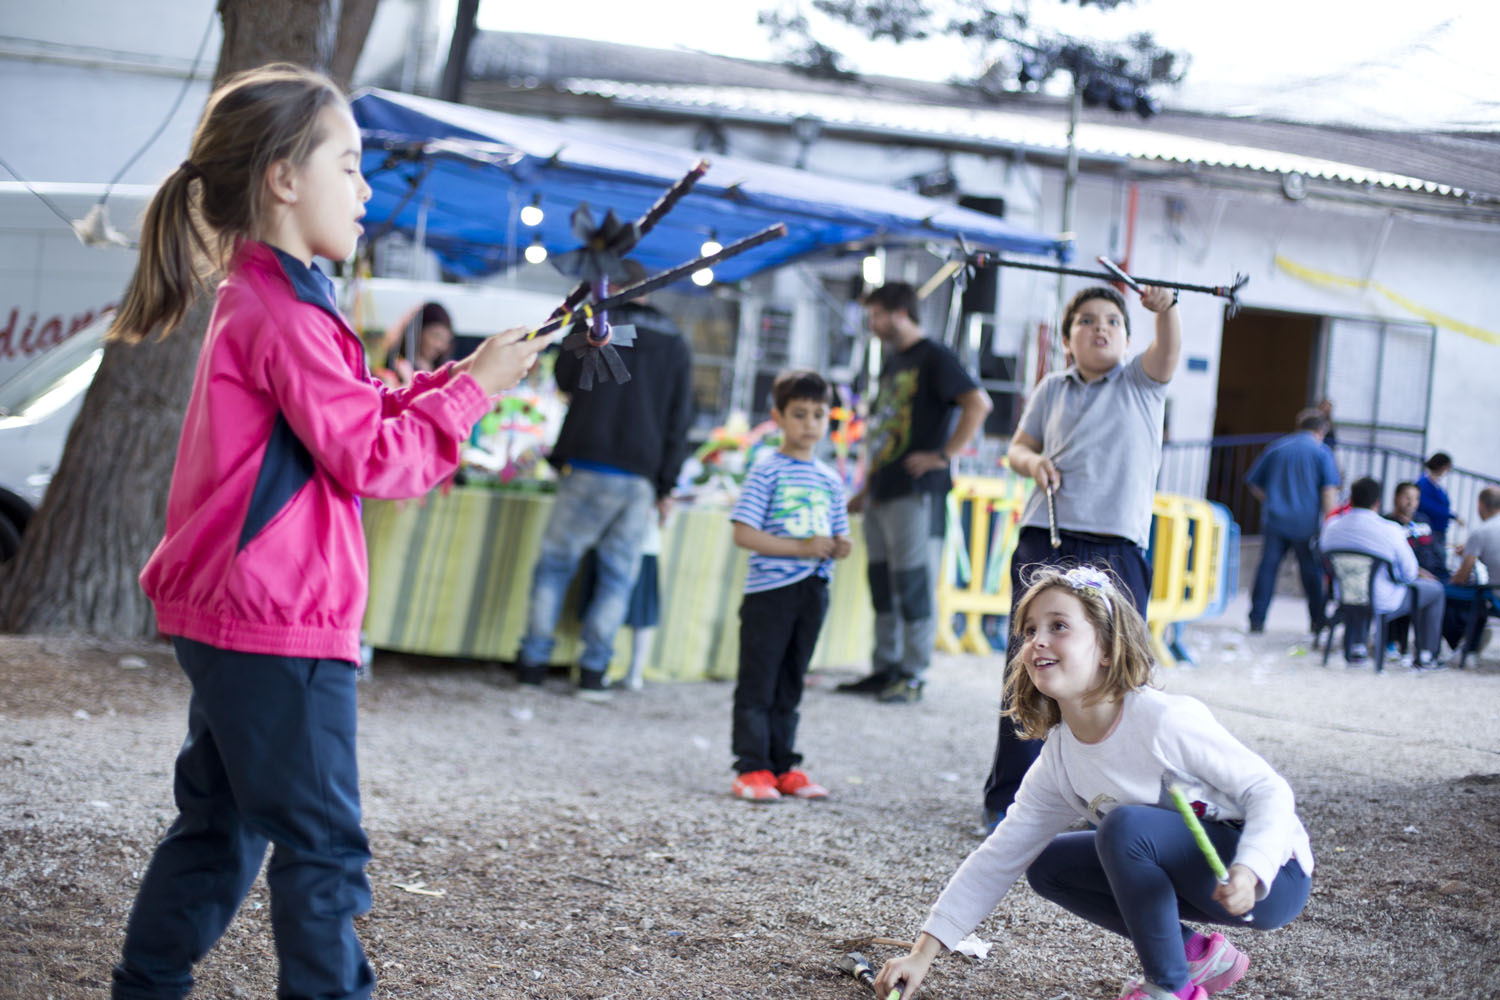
[450, 576]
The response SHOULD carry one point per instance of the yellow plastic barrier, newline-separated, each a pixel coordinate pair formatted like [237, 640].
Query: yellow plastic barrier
[992, 522]
[1184, 566]
[976, 578]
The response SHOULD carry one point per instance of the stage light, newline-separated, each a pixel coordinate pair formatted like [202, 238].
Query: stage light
[711, 245]
[873, 269]
[536, 253]
[532, 215]
[703, 278]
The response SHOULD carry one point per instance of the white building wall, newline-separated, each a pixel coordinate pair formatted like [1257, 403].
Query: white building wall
[1193, 233]
[87, 81]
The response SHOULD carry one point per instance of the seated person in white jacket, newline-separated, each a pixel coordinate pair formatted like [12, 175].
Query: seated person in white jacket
[1413, 592]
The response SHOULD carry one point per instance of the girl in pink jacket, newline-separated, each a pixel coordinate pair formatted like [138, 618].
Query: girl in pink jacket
[261, 576]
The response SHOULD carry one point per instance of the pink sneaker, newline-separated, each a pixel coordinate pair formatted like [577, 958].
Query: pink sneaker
[799, 785]
[1220, 964]
[1139, 989]
[757, 786]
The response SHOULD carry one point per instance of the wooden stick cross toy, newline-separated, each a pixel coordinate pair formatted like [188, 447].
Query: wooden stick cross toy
[600, 259]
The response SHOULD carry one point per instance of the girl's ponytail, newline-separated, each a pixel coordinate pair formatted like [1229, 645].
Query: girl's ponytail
[215, 199]
[170, 269]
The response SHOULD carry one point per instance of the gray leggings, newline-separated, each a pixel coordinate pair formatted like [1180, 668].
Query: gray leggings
[904, 554]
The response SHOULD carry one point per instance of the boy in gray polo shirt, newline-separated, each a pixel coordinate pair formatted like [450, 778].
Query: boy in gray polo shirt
[1092, 433]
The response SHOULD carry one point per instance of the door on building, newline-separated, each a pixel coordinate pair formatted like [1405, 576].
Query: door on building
[1377, 373]
[1268, 370]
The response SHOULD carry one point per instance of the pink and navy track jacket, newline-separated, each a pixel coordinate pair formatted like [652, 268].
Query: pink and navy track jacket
[264, 550]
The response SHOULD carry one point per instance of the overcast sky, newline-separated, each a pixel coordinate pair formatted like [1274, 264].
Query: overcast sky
[1381, 63]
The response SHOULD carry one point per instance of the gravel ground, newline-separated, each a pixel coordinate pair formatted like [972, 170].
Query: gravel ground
[528, 844]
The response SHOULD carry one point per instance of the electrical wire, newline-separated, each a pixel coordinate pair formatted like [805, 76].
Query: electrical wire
[192, 75]
[40, 197]
[181, 93]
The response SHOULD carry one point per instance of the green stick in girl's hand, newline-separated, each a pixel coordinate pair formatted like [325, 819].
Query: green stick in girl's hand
[1200, 835]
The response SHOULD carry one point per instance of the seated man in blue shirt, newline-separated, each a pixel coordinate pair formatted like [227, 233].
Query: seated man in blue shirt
[1413, 591]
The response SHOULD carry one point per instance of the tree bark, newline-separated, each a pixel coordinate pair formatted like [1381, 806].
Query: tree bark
[106, 508]
[354, 27]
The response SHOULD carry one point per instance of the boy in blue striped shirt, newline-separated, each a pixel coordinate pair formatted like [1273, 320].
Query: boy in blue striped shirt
[791, 516]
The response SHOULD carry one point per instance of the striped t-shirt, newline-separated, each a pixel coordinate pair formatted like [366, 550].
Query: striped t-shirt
[790, 498]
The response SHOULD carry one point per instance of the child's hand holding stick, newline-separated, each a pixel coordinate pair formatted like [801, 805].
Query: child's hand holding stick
[900, 977]
[1227, 889]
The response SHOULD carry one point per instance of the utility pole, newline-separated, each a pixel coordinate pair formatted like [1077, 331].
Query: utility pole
[458, 51]
[1070, 177]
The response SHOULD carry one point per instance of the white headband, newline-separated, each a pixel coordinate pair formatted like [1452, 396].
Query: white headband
[1091, 578]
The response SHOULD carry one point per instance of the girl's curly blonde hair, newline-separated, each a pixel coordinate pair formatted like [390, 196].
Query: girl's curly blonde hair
[1121, 633]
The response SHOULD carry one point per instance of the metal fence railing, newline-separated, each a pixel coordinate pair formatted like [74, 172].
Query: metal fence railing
[1216, 470]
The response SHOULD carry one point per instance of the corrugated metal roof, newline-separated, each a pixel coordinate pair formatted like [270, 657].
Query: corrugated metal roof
[983, 124]
[515, 67]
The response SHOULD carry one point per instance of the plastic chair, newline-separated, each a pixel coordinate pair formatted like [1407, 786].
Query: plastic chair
[1354, 575]
[1486, 604]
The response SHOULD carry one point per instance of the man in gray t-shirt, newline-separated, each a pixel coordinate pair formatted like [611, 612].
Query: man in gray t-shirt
[1092, 434]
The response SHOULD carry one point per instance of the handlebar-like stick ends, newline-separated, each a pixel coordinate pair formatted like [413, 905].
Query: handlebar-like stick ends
[1052, 521]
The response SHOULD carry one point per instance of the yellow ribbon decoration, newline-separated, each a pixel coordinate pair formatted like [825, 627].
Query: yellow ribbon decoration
[565, 320]
[1340, 282]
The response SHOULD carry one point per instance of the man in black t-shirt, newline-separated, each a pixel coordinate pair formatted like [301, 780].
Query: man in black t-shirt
[911, 438]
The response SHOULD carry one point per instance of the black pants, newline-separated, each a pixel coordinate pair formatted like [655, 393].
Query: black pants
[1013, 755]
[778, 630]
[269, 759]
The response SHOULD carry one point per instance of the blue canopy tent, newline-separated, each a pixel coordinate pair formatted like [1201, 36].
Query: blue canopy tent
[459, 176]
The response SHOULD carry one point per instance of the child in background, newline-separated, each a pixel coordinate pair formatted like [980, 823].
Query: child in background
[644, 612]
[1080, 680]
[261, 578]
[1092, 435]
[791, 516]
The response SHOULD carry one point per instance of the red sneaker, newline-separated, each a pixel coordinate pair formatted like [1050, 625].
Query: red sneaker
[757, 786]
[799, 785]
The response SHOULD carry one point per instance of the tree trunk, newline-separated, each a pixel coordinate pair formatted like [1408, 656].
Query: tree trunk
[106, 508]
[354, 27]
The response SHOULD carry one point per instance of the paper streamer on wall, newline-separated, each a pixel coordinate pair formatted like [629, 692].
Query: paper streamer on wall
[1327, 279]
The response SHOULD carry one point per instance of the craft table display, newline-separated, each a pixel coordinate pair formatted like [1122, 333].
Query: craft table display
[450, 575]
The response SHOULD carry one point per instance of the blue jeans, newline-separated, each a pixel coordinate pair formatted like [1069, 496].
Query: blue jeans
[610, 514]
[1274, 547]
[1424, 605]
[1140, 875]
[269, 758]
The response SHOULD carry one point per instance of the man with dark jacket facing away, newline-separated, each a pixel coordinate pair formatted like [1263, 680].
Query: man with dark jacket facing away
[617, 455]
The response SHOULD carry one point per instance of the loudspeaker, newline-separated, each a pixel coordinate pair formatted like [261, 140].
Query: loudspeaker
[979, 297]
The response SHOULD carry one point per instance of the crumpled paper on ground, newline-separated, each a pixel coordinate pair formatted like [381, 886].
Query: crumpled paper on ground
[974, 948]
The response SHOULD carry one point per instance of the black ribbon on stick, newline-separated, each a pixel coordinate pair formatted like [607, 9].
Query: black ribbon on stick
[600, 258]
[665, 278]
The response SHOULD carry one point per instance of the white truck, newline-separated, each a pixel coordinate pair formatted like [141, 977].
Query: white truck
[56, 295]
